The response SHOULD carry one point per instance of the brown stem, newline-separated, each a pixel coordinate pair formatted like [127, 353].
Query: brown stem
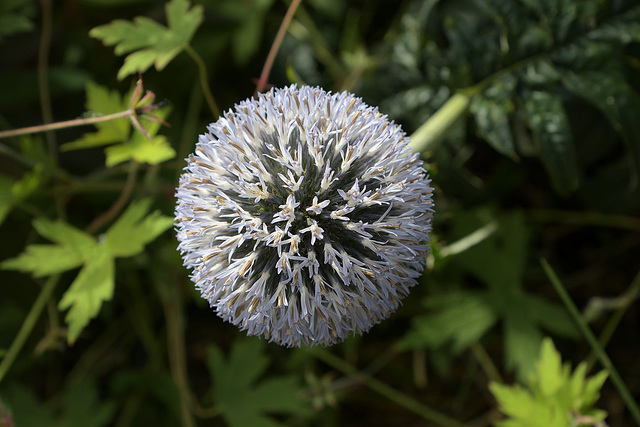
[63, 125]
[264, 76]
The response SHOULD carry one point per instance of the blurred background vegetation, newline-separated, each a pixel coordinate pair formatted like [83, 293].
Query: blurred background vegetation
[526, 113]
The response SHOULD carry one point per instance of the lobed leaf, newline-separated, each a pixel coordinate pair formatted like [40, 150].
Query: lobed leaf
[155, 44]
[134, 229]
[73, 249]
[102, 101]
[88, 291]
[243, 399]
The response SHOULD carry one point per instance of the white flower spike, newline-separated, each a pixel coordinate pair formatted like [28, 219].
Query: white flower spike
[304, 216]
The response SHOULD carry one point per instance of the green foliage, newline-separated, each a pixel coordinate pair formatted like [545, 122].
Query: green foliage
[539, 158]
[152, 43]
[123, 143]
[79, 405]
[554, 396]
[75, 248]
[244, 399]
[249, 17]
[464, 317]
[519, 70]
[15, 17]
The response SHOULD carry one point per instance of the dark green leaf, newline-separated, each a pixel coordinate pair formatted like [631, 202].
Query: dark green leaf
[492, 119]
[243, 399]
[548, 122]
[610, 93]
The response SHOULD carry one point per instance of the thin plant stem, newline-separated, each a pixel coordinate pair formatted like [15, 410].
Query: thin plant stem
[64, 125]
[172, 305]
[264, 75]
[385, 390]
[614, 320]
[27, 325]
[593, 342]
[585, 218]
[43, 76]
[204, 80]
[485, 362]
[120, 203]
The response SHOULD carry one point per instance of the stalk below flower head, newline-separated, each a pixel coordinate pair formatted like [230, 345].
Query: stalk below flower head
[304, 216]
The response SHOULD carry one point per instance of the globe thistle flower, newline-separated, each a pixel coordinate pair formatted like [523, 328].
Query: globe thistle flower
[304, 216]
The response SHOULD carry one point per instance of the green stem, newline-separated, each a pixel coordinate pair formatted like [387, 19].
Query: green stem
[43, 76]
[28, 325]
[172, 306]
[432, 131]
[486, 363]
[385, 390]
[585, 218]
[613, 322]
[593, 342]
[120, 203]
[204, 81]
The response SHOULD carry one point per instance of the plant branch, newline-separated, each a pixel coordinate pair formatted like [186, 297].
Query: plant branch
[120, 203]
[43, 75]
[64, 125]
[614, 320]
[264, 75]
[27, 325]
[385, 390]
[202, 71]
[593, 342]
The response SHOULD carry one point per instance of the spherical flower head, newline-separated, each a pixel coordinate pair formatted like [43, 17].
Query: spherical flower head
[304, 216]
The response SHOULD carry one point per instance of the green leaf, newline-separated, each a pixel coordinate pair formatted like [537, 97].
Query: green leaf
[83, 408]
[15, 17]
[492, 119]
[554, 397]
[243, 399]
[625, 28]
[462, 317]
[89, 290]
[522, 339]
[78, 405]
[133, 230]
[549, 368]
[609, 92]
[140, 148]
[127, 145]
[73, 249]
[155, 44]
[550, 127]
[101, 102]
[514, 401]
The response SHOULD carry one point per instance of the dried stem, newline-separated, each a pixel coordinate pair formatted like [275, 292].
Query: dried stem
[64, 125]
[264, 75]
